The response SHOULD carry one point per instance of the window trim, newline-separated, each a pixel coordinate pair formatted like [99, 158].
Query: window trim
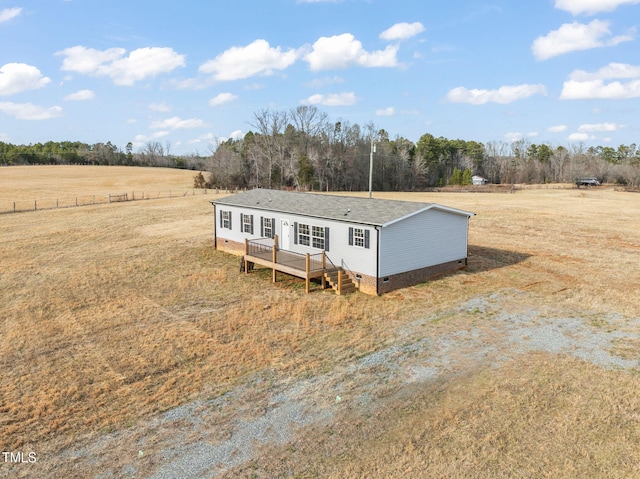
[267, 227]
[225, 219]
[317, 237]
[366, 238]
[304, 234]
[246, 223]
[358, 237]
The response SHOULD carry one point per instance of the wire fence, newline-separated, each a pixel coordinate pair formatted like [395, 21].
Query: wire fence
[22, 206]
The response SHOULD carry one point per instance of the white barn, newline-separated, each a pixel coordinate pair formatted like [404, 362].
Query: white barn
[377, 245]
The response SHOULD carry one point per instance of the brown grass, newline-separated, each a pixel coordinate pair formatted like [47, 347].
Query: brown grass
[111, 313]
[46, 187]
[541, 416]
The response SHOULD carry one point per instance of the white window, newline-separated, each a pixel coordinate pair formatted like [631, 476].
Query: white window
[303, 235]
[225, 219]
[267, 227]
[317, 237]
[247, 224]
[358, 237]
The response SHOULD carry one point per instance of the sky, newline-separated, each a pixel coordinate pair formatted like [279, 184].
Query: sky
[189, 74]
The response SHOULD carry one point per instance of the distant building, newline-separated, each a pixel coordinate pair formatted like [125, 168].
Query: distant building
[587, 182]
[478, 180]
[378, 245]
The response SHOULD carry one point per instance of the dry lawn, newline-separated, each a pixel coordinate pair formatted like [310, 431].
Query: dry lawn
[30, 187]
[112, 313]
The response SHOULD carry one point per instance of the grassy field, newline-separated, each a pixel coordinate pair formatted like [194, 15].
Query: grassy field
[112, 313]
[46, 187]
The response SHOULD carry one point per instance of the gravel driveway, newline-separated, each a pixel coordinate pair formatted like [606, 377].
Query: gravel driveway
[207, 437]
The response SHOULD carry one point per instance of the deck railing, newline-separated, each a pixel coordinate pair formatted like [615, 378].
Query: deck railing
[260, 246]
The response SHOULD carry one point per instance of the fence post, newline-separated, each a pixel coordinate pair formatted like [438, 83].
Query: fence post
[56, 202]
[35, 205]
[76, 201]
[14, 206]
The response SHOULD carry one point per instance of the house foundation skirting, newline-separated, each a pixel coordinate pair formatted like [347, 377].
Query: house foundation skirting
[411, 278]
[229, 246]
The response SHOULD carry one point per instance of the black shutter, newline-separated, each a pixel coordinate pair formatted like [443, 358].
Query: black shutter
[220, 218]
[366, 238]
[251, 224]
[262, 227]
[241, 222]
[273, 227]
[326, 238]
[295, 233]
[350, 236]
[230, 215]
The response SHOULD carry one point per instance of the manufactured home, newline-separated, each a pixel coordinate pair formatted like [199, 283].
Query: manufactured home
[373, 245]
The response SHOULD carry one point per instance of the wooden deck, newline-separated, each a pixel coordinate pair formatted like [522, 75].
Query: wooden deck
[266, 253]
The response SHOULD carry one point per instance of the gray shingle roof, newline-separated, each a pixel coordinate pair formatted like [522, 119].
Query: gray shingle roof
[370, 211]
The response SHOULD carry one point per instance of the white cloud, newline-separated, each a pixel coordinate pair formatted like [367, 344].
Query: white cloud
[612, 70]
[516, 135]
[591, 127]
[402, 31]
[575, 36]
[234, 135]
[581, 137]
[390, 111]
[584, 85]
[513, 136]
[177, 123]
[342, 51]
[9, 13]
[160, 107]
[557, 128]
[222, 98]
[590, 7]
[139, 65]
[332, 99]
[29, 111]
[504, 94]
[576, 90]
[257, 58]
[19, 77]
[140, 140]
[81, 95]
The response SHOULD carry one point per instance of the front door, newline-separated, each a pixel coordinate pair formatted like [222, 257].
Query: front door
[285, 237]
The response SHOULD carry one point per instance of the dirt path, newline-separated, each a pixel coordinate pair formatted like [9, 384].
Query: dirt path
[209, 437]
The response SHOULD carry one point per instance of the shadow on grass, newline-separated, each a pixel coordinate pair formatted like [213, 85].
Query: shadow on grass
[482, 258]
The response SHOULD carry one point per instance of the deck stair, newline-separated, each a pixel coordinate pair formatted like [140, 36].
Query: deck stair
[339, 281]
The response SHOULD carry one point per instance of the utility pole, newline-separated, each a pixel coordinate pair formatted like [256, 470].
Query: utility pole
[373, 150]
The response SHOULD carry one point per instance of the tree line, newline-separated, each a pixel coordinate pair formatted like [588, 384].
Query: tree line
[153, 153]
[301, 148]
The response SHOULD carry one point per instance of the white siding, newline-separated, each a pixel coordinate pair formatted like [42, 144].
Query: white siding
[425, 239]
[353, 258]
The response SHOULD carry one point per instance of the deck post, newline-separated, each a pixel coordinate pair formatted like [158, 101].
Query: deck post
[324, 269]
[274, 257]
[246, 252]
[339, 281]
[307, 268]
